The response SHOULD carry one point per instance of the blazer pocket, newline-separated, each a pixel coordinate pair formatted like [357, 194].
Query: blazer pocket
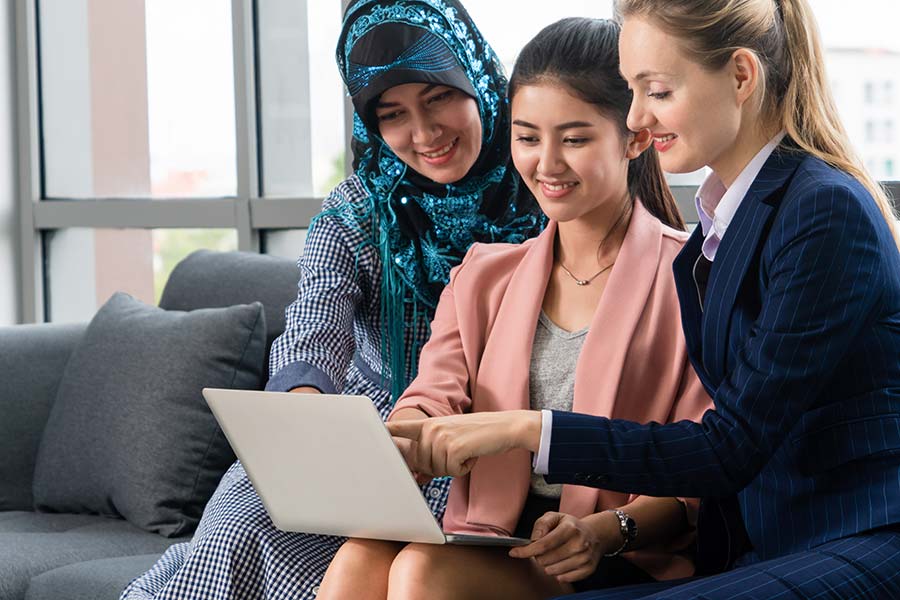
[845, 441]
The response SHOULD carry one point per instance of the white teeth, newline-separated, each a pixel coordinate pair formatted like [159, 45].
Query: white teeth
[667, 138]
[441, 151]
[557, 187]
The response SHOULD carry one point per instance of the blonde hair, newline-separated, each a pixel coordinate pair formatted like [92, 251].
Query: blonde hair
[784, 36]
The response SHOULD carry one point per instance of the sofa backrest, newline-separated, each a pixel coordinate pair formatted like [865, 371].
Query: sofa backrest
[210, 279]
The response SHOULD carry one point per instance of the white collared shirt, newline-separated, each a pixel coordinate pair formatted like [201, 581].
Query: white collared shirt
[716, 207]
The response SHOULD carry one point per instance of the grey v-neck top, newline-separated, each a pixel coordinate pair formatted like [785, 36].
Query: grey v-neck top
[554, 357]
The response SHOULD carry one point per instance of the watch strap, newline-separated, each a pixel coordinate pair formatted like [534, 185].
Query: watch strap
[628, 529]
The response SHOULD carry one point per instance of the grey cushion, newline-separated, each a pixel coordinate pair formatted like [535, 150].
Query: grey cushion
[32, 359]
[129, 433]
[32, 522]
[208, 279]
[102, 579]
[24, 555]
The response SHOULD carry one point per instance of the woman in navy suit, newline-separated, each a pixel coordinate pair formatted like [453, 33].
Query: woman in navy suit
[790, 303]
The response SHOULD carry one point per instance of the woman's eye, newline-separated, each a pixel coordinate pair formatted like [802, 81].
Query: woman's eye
[440, 97]
[388, 116]
[658, 95]
[526, 139]
[576, 141]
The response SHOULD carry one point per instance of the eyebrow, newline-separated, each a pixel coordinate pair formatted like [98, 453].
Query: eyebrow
[560, 127]
[428, 88]
[646, 74]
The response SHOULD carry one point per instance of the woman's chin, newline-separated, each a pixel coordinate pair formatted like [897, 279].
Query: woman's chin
[680, 165]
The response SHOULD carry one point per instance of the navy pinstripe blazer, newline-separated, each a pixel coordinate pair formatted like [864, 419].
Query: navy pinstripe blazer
[799, 345]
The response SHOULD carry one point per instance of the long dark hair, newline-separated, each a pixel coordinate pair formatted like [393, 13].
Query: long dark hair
[583, 55]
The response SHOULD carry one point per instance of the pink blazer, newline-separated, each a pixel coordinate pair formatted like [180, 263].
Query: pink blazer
[633, 366]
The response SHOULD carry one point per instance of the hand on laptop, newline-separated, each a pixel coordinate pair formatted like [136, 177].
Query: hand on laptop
[451, 445]
[408, 448]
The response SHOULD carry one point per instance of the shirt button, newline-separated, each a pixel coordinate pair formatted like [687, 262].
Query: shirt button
[434, 493]
[315, 590]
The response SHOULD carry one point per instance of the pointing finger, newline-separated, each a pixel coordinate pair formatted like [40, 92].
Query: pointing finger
[409, 429]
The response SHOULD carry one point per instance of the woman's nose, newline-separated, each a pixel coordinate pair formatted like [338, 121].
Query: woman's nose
[638, 118]
[550, 161]
[425, 130]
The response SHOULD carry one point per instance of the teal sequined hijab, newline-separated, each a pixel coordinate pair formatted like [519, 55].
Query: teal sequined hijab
[423, 229]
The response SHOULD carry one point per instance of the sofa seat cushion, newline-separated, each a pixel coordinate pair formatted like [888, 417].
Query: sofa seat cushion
[102, 579]
[24, 555]
[129, 433]
[32, 522]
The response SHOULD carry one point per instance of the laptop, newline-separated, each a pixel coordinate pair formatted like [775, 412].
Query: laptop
[326, 464]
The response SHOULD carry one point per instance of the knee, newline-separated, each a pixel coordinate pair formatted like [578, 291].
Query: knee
[359, 570]
[418, 572]
[363, 554]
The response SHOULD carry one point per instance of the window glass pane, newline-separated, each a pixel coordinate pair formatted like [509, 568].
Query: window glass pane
[302, 123]
[137, 98]
[863, 61]
[86, 266]
[328, 97]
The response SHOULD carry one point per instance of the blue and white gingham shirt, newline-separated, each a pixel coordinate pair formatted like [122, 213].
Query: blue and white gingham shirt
[334, 325]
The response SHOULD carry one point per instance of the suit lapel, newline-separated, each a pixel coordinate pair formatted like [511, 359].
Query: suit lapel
[602, 358]
[503, 384]
[736, 250]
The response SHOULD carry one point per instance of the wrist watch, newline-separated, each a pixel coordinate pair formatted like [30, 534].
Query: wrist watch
[628, 529]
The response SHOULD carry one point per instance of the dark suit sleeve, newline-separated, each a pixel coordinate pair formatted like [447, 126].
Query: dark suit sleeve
[825, 269]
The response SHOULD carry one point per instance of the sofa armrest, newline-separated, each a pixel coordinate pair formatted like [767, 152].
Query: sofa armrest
[32, 359]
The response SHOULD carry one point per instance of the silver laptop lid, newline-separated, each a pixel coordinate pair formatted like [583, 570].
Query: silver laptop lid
[324, 464]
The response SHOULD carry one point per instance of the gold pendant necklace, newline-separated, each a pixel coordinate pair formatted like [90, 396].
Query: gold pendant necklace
[584, 282]
[590, 279]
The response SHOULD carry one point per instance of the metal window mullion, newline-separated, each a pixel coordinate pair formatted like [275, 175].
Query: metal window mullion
[30, 264]
[283, 213]
[245, 121]
[137, 213]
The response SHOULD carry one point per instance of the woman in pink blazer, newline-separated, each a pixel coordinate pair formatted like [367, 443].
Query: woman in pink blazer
[614, 223]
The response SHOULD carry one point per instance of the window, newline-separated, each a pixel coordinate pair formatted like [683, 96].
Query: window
[86, 266]
[137, 99]
[869, 93]
[155, 127]
[173, 126]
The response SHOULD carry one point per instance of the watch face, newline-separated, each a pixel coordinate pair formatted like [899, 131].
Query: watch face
[631, 527]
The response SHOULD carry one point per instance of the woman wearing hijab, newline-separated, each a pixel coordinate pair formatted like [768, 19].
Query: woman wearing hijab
[431, 178]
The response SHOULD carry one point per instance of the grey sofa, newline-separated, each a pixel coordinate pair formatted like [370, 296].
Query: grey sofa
[85, 556]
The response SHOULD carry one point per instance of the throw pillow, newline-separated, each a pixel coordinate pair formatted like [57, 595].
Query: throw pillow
[129, 434]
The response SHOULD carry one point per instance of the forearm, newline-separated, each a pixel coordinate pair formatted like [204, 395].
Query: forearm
[408, 414]
[305, 390]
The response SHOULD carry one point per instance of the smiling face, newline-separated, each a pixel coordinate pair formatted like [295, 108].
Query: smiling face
[434, 129]
[693, 114]
[572, 157]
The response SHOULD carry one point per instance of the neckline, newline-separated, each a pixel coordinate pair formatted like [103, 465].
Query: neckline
[558, 331]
